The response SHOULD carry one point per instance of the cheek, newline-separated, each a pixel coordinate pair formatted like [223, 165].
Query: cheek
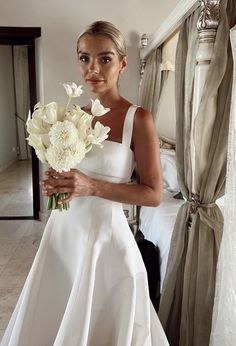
[82, 70]
[114, 73]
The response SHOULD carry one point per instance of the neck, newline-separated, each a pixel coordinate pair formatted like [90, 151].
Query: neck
[110, 100]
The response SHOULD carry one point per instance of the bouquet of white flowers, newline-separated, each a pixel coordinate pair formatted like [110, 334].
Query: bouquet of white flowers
[61, 136]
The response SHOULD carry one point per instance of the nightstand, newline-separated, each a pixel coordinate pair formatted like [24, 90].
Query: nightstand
[131, 215]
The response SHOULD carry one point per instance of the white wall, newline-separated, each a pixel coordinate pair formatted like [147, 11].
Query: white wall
[7, 109]
[61, 22]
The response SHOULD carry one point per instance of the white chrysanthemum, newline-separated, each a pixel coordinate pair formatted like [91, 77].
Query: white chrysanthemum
[98, 134]
[63, 133]
[63, 159]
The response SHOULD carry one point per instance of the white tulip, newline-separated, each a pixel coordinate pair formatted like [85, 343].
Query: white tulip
[83, 126]
[72, 89]
[45, 140]
[41, 154]
[37, 126]
[97, 108]
[35, 141]
[61, 110]
[49, 113]
[98, 134]
[76, 115]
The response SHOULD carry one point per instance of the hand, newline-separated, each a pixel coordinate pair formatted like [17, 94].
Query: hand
[74, 183]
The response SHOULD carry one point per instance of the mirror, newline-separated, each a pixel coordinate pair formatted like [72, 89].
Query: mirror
[19, 169]
[15, 154]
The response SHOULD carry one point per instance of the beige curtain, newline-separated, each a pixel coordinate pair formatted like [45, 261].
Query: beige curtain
[224, 312]
[150, 88]
[188, 293]
[22, 100]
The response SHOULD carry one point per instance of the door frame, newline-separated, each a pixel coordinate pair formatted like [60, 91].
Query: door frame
[26, 36]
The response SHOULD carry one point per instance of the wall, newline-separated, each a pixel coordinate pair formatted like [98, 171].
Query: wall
[7, 109]
[61, 22]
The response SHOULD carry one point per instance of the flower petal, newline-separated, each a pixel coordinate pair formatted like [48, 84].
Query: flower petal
[97, 108]
[72, 89]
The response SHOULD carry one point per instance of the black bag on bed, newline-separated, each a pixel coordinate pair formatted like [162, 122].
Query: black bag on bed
[151, 258]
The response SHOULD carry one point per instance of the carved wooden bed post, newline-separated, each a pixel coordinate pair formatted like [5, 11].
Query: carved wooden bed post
[144, 43]
[207, 27]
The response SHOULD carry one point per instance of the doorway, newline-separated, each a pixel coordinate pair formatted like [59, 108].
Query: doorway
[19, 166]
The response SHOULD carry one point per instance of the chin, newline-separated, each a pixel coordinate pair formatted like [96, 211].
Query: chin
[96, 89]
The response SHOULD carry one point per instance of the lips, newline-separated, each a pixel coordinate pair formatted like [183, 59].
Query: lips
[92, 80]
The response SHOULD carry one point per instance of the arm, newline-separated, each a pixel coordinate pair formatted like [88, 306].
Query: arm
[148, 192]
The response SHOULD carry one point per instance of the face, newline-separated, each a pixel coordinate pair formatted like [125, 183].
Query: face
[99, 63]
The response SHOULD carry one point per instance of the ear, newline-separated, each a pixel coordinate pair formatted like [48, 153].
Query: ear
[123, 64]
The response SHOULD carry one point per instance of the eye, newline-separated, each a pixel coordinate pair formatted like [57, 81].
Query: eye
[83, 58]
[106, 59]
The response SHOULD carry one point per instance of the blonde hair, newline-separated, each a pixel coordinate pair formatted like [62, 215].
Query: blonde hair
[109, 30]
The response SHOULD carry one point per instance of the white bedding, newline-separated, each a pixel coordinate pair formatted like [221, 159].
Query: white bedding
[157, 225]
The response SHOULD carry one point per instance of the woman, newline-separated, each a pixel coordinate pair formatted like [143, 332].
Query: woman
[88, 284]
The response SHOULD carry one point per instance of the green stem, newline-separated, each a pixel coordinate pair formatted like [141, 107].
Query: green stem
[54, 199]
[68, 102]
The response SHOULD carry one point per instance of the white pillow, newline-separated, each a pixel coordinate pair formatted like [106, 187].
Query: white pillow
[168, 163]
[165, 120]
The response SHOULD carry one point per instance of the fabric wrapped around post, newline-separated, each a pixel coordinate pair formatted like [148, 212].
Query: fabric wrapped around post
[224, 312]
[188, 294]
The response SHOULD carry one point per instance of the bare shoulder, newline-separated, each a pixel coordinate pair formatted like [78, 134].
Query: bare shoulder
[143, 122]
[142, 115]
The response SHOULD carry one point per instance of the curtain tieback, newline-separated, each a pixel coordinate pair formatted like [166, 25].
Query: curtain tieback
[195, 203]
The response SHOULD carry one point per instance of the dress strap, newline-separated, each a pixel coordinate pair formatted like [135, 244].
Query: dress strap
[128, 125]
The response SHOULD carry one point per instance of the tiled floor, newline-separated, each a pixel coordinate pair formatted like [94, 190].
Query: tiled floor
[18, 246]
[16, 190]
[19, 239]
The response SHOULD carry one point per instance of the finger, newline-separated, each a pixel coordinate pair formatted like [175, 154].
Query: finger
[47, 192]
[70, 174]
[53, 173]
[67, 199]
[50, 171]
[56, 182]
[52, 190]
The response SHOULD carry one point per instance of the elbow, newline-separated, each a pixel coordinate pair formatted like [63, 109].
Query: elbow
[157, 196]
[156, 202]
[156, 199]
[154, 196]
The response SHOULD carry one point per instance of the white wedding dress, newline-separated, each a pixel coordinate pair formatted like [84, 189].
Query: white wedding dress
[88, 284]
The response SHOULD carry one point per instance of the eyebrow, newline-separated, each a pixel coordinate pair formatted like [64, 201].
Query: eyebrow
[99, 54]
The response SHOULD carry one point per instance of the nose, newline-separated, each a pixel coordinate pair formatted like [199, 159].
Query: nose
[94, 66]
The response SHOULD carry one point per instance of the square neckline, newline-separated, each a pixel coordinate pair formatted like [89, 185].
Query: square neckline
[127, 130]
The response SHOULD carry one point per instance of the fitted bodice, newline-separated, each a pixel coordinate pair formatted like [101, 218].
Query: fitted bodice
[115, 161]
